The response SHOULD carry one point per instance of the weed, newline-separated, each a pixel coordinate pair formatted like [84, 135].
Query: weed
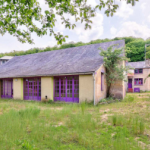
[142, 127]
[114, 120]
[83, 107]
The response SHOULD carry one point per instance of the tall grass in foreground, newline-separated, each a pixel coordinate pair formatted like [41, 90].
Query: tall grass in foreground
[70, 126]
[135, 124]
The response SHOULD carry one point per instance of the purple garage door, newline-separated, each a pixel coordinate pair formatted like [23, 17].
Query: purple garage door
[7, 88]
[32, 89]
[67, 89]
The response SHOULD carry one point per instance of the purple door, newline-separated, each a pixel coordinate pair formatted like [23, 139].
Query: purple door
[130, 83]
[32, 89]
[67, 89]
[7, 88]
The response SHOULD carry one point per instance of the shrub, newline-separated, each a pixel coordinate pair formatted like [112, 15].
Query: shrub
[50, 101]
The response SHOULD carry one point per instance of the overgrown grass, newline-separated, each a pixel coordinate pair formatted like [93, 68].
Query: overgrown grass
[28, 125]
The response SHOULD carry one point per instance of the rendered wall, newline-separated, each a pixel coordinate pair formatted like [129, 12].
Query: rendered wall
[18, 88]
[146, 85]
[47, 88]
[86, 88]
[100, 94]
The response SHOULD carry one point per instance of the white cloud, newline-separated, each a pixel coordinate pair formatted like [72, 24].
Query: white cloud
[125, 10]
[148, 18]
[143, 6]
[131, 28]
[113, 30]
[90, 34]
[92, 3]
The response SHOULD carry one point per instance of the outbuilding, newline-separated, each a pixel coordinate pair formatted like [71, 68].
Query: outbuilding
[70, 75]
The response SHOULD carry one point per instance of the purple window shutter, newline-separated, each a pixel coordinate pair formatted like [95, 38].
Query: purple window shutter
[102, 75]
[73, 88]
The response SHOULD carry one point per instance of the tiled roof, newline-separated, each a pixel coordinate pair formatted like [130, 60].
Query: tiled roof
[77, 60]
[134, 65]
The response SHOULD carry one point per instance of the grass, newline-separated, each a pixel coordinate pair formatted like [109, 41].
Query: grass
[26, 125]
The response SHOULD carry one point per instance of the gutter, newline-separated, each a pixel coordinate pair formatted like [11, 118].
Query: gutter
[48, 75]
[94, 88]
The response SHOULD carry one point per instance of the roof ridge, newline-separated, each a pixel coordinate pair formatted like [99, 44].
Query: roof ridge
[71, 48]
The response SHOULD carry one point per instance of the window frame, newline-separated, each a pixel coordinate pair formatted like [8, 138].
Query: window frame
[138, 81]
[102, 81]
[138, 71]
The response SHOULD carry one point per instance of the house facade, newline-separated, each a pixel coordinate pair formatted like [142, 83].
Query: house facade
[4, 59]
[70, 75]
[137, 75]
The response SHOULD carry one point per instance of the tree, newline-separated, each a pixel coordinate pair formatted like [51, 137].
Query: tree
[136, 52]
[114, 71]
[20, 18]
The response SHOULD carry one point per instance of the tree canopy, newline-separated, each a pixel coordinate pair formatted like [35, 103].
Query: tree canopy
[20, 18]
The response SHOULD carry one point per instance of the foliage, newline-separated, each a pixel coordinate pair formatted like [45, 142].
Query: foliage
[20, 18]
[114, 72]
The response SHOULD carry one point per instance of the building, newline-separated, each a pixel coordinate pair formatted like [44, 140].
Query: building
[136, 76]
[69, 75]
[5, 59]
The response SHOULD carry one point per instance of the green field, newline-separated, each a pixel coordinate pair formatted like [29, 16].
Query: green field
[125, 125]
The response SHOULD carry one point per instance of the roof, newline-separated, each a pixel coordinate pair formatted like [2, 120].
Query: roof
[7, 57]
[76, 60]
[136, 65]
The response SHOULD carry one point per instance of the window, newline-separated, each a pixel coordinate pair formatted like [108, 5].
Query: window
[102, 81]
[138, 81]
[136, 71]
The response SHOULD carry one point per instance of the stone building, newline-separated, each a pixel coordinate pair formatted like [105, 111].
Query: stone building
[71, 75]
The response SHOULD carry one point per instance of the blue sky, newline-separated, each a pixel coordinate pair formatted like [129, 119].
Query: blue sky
[128, 21]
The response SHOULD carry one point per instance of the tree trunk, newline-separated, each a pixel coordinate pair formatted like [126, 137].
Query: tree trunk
[108, 91]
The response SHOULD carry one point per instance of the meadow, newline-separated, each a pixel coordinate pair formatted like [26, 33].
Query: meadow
[28, 125]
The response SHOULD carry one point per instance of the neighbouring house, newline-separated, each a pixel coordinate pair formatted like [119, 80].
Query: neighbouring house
[5, 59]
[71, 75]
[136, 76]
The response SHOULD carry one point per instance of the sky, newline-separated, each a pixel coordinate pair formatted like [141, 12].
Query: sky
[128, 21]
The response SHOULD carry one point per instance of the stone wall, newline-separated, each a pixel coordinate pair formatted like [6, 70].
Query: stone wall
[118, 89]
[100, 93]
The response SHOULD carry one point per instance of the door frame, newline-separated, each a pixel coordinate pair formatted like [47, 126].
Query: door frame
[3, 88]
[130, 83]
[35, 98]
[66, 98]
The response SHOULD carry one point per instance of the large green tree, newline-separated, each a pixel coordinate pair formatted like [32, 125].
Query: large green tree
[20, 18]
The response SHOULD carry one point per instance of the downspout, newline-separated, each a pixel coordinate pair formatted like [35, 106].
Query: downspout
[94, 87]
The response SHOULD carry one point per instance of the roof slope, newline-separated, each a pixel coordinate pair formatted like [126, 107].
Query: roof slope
[134, 65]
[76, 60]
